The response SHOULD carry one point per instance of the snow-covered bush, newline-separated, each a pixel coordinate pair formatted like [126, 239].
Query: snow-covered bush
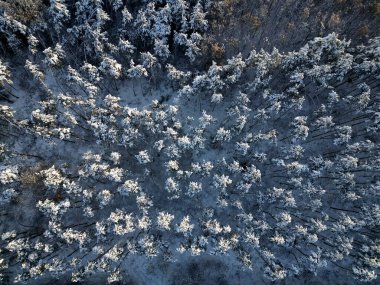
[143, 157]
[52, 177]
[164, 220]
[8, 174]
[7, 195]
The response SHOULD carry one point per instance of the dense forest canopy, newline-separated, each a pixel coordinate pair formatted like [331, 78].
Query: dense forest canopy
[189, 142]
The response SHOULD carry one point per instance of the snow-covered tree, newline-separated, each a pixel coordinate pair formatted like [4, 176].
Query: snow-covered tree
[59, 14]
